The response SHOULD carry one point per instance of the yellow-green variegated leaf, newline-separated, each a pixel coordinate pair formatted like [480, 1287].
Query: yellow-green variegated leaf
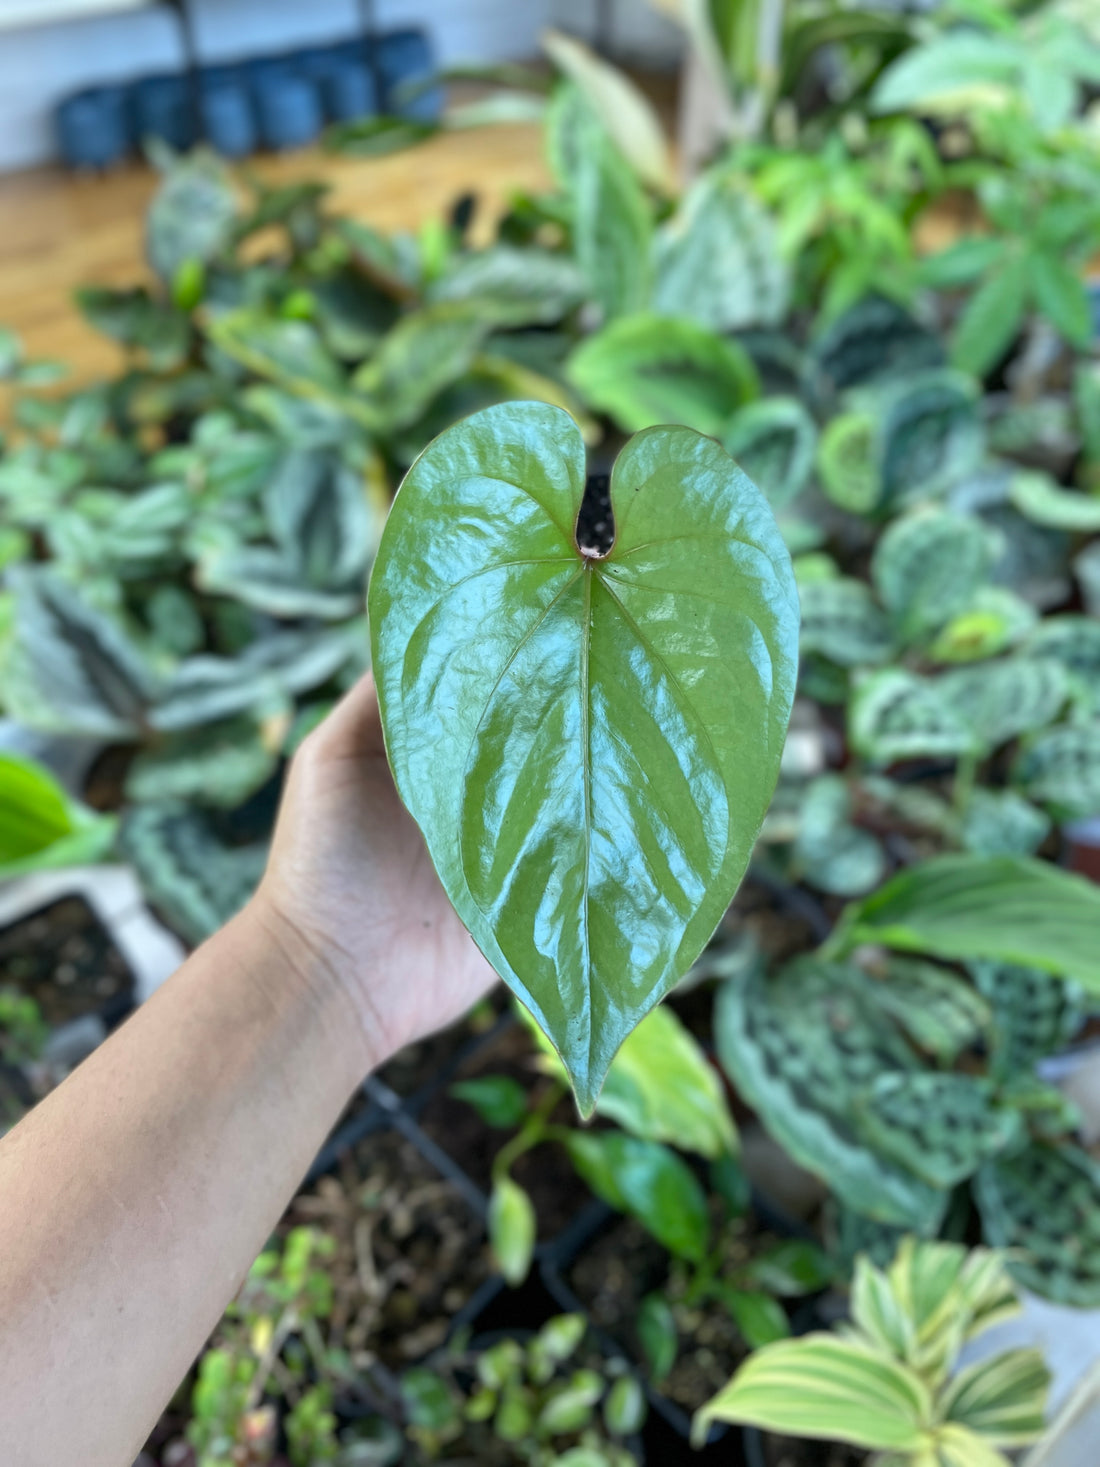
[1002, 1400]
[623, 110]
[958, 1446]
[829, 1388]
[661, 1087]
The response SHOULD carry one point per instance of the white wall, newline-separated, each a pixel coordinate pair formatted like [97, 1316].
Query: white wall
[638, 32]
[41, 65]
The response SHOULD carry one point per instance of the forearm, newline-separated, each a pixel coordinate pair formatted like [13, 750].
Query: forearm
[135, 1197]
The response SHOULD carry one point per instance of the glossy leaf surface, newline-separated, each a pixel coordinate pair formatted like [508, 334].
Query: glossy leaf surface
[589, 746]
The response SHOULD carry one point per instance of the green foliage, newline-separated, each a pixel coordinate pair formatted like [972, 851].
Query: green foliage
[1033, 1015]
[645, 369]
[71, 667]
[774, 441]
[873, 342]
[513, 287]
[512, 1229]
[41, 826]
[927, 566]
[896, 715]
[842, 621]
[999, 700]
[612, 225]
[590, 625]
[717, 259]
[802, 1048]
[1011, 909]
[23, 1030]
[835, 855]
[1045, 1203]
[549, 1400]
[889, 1383]
[189, 875]
[1060, 768]
[1040, 64]
[648, 1181]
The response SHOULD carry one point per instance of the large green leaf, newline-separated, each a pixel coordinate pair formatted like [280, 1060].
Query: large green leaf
[1010, 908]
[589, 746]
[820, 1386]
[644, 370]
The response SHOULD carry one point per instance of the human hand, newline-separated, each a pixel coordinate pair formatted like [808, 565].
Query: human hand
[351, 892]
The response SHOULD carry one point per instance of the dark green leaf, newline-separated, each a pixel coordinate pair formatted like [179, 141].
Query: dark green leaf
[801, 1047]
[1061, 296]
[793, 1267]
[648, 1181]
[524, 688]
[993, 318]
[656, 1328]
[761, 1319]
[1045, 1202]
[498, 1099]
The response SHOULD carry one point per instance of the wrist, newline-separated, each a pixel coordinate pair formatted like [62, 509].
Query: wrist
[312, 979]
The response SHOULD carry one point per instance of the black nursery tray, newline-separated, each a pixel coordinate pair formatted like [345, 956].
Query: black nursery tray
[64, 958]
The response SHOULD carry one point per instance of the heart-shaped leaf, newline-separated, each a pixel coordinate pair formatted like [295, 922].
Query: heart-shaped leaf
[588, 745]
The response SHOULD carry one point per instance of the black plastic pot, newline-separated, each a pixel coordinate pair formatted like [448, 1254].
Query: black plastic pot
[95, 127]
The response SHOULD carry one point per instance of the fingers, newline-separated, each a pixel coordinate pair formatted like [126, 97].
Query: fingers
[354, 727]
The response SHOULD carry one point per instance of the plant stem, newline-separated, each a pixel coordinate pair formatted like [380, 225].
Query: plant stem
[534, 1130]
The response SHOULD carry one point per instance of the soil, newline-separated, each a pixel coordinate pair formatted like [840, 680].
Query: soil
[63, 957]
[410, 1252]
[614, 1274]
[545, 1172]
[784, 1451]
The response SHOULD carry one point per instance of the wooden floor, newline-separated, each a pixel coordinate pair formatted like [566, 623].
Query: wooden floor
[58, 230]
